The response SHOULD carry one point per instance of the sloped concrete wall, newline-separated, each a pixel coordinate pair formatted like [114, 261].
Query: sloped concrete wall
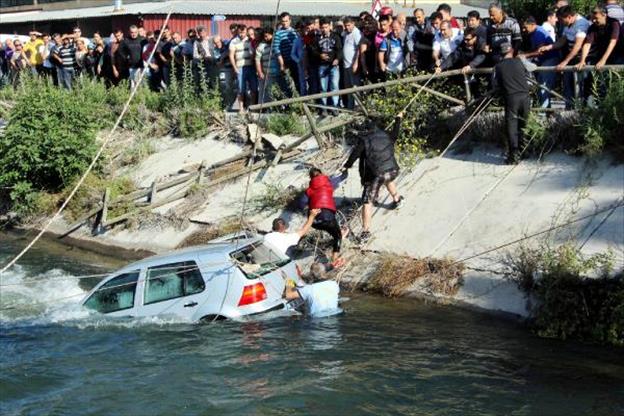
[473, 202]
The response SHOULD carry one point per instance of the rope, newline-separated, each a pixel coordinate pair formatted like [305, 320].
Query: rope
[599, 225]
[95, 159]
[478, 204]
[568, 223]
[421, 89]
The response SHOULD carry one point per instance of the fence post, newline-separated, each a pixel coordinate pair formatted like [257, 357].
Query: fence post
[200, 172]
[360, 103]
[151, 197]
[467, 86]
[104, 215]
[577, 89]
[315, 132]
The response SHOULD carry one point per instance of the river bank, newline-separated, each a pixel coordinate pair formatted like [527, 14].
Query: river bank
[456, 207]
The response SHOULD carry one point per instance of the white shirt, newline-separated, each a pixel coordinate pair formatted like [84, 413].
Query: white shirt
[552, 32]
[282, 241]
[321, 299]
[446, 46]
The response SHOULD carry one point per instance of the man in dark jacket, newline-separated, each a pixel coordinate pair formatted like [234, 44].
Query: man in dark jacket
[320, 195]
[510, 79]
[378, 166]
[326, 54]
[421, 34]
[467, 56]
[131, 49]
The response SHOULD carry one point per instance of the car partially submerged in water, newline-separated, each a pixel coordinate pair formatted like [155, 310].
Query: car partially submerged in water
[220, 280]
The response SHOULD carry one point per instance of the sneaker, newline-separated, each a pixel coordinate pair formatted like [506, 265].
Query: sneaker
[397, 204]
[364, 237]
[376, 203]
[338, 263]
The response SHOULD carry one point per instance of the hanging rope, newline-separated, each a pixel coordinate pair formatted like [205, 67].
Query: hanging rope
[95, 158]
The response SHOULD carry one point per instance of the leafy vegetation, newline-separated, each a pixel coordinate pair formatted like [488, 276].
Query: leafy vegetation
[574, 295]
[282, 124]
[423, 128]
[521, 9]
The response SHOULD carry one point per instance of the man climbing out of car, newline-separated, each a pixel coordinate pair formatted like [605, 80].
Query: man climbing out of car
[320, 194]
[282, 240]
[377, 166]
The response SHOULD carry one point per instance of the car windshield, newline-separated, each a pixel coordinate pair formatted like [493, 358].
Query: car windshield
[258, 259]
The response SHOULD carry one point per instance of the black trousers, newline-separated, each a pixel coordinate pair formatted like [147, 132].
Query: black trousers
[326, 221]
[517, 108]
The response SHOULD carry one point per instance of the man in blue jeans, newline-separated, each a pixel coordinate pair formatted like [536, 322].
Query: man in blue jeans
[538, 38]
[326, 52]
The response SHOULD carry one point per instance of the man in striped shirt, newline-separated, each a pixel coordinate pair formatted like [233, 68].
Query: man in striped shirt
[282, 49]
[65, 55]
[241, 58]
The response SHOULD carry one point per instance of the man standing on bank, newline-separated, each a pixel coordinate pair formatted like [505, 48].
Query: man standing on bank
[510, 81]
[378, 166]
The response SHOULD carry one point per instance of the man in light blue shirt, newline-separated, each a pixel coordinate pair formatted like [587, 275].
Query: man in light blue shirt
[350, 57]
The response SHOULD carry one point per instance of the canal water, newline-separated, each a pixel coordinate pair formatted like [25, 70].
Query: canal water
[380, 357]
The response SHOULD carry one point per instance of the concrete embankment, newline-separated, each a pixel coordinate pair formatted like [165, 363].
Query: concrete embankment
[466, 204]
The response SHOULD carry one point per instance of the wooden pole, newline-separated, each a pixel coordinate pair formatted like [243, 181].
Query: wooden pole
[315, 132]
[104, 215]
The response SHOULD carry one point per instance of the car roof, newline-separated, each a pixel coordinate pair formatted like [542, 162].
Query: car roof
[217, 250]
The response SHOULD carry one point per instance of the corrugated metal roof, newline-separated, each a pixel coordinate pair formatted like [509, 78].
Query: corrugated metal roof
[224, 7]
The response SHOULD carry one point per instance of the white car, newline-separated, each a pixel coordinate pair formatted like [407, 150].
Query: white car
[219, 280]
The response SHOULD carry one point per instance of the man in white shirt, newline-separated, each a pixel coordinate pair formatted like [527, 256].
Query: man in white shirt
[446, 42]
[574, 34]
[550, 25]
[282, 240]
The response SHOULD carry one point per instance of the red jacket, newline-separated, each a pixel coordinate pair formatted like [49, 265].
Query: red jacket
[321, 193]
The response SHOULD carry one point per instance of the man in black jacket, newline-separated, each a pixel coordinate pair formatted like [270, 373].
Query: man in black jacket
[378, 166]
[467, 56]
[510, 79]
[326, 54]
[131, 50]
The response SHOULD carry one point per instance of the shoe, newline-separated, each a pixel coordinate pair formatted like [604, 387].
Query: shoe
[397, 204]
[376, 204]
[338, 263]
[364, 237]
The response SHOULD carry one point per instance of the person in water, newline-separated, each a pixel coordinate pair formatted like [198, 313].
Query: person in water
[320, 195]
[318, 297]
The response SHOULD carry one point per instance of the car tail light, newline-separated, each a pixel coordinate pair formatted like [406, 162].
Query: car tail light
[252, 294]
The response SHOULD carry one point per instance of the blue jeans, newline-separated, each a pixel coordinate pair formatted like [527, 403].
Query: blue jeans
[247, 78]
[329, 77]
[547, 79]
[65, 76]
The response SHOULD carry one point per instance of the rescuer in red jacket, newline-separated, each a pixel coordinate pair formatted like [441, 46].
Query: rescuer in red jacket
[321, 196]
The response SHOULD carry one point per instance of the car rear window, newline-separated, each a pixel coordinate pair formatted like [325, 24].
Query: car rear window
[257, 259]
[115, 295]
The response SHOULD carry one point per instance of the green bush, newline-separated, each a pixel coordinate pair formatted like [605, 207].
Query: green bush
[282, 124]
[602, 123]
[49, 139]
[521, 9]
[569, 303]
[423, 128]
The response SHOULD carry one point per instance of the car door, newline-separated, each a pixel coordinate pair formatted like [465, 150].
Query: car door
[176, 288]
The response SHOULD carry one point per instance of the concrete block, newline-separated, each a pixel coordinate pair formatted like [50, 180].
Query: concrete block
[273, 140]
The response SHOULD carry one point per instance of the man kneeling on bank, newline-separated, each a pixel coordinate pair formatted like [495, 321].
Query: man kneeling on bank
[318, 298]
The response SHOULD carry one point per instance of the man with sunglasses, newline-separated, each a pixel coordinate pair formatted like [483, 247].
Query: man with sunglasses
[467, 56]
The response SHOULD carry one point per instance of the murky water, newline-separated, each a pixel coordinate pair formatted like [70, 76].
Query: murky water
[380, 357]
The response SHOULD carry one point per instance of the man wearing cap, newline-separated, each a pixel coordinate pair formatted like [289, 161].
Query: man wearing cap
[510, 80]
[282, 240]
[33, 50]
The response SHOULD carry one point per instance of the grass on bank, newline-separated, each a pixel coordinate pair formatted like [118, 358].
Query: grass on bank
[395, 275]
[572, 295]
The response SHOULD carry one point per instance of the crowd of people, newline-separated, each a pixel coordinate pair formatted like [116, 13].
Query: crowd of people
[319, 55]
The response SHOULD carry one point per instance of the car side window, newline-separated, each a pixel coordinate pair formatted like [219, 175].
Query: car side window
[173, 280]
[115, 295]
